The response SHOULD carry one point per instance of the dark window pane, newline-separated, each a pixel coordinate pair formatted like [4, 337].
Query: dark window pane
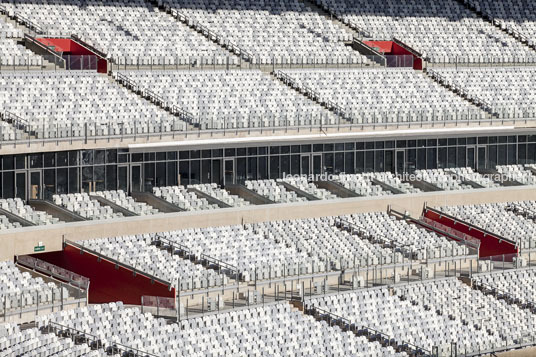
[111, 156]
[215, 153]
[241, 152]
[36, 161]
[87, 157]
[100, 157]
[206, 154]
[431, 159]
[160, 156]
[20, 162]
[184, 173]
[305, 148]
[195, 172]
[61, 159]
[184, 155]
[172, 174]
[99, 176]
[195, 154]
[263, 168]
[274, 167]
[148, 156]
[285, 165]
[111, 177]
[49, 159]
[328, 163]
[369, 161]
[8, 162]
[274, 150]
[349, 166]
[8, 184]
[172, 155]
[359, 162]
[285, 149]
[62, 178]
[137, 157]
[240, 170]
[252, 168]
[339, 147]
[295, 149]
[73, 180]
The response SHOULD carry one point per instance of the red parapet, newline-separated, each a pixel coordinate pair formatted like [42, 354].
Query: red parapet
[491, 244]
[109, 282]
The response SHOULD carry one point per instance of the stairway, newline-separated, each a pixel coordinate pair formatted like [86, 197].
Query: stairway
[312, 95]
[222, 42]
[183, 115]
[459, 91]
[497, 23]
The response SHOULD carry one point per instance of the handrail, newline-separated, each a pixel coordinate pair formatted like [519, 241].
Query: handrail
[364, 233]
[408, 48]
[363, 330]
[26, 22]
[118, 263]
[487, 289]
[53, 270]
[52, 52]
[220, 263]
[16, 121]
[453, 232]
[471, 225]
[377, 53]
[525, 212]
[95, 342]
[121, 78]
[311, 93]
[91, 48]
[443, 80]
[210, 34]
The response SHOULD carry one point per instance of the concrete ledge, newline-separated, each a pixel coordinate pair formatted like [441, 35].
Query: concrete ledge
[23, 240]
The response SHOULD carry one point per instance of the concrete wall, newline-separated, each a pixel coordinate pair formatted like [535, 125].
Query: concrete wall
[23, 240]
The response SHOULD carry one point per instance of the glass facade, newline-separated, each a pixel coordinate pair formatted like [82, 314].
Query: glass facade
[41, 175]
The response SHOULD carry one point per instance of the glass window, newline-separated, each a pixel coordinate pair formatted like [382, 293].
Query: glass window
[328, 163]
[295, 149]
[359, 161]
[512, 154]
[328, 147]
[172, 174]
[87, 157]
[73, 180]
[379, 165]
[369, 161]
[206, 154]
[62, 178]
[305, 148]
[137, 157]
[451, 157]
[252, 168]
[274, 150]
[148, 156]
[100, 157]
[99, 176]
[274, 167]
[172, 155]
[349, 146]
[295, 164]
[264, 150]
[195, 154]
[49, 159]
[8, 162]
[285, 165]
[184, 173]
[195, 172]
[421, 159]
[184, 155]
[492, 155]
[263, 168]
[285, 149]
[206, 171]
[61, 160]
[389, 144]
[339, 162]
[111, 177]
[501, 157]
[215, 153]
[431, 158]
[241, 170]
[442, 160]
[36, 161]
[160, 156]
[349, 166]
[462, 156]
[20, 162]
[8, 184]
[339, 147]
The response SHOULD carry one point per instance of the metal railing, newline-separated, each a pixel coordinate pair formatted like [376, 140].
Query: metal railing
[459, 89]
[499, 294]
[523, 211]
[211, 34]
[466, 239]
[94, 342]
[54, 271]
[371, 334]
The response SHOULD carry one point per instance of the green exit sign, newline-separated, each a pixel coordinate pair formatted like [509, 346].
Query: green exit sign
[39, 248]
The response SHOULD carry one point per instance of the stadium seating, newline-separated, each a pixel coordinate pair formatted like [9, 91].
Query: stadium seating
[138, 252]
[233, 99]
[120, 198]
[83, 205]
[386, 95]
[517, 173]
[444, 32]
[76, 103]
[469, 174]
[5, 223]
[18, 208]
[509, 89]
[262, 330]
[393, 181]
[131, 32]
[361, 184]
[302, 184]
[217, 192]
[15, 341]
[280, 32]
[442, 179]
[274, 192]
[11, 53]
[512, 15]
[20, 290]
[496, 219]
[249, 251]
[518, 284]
[504, 324]
[179, 196]
[407, 238]
[319, 237]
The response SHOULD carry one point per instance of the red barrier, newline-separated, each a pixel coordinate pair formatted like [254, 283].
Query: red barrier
[391, 48]
[108, 283]
[490, 244]
[70, 47]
